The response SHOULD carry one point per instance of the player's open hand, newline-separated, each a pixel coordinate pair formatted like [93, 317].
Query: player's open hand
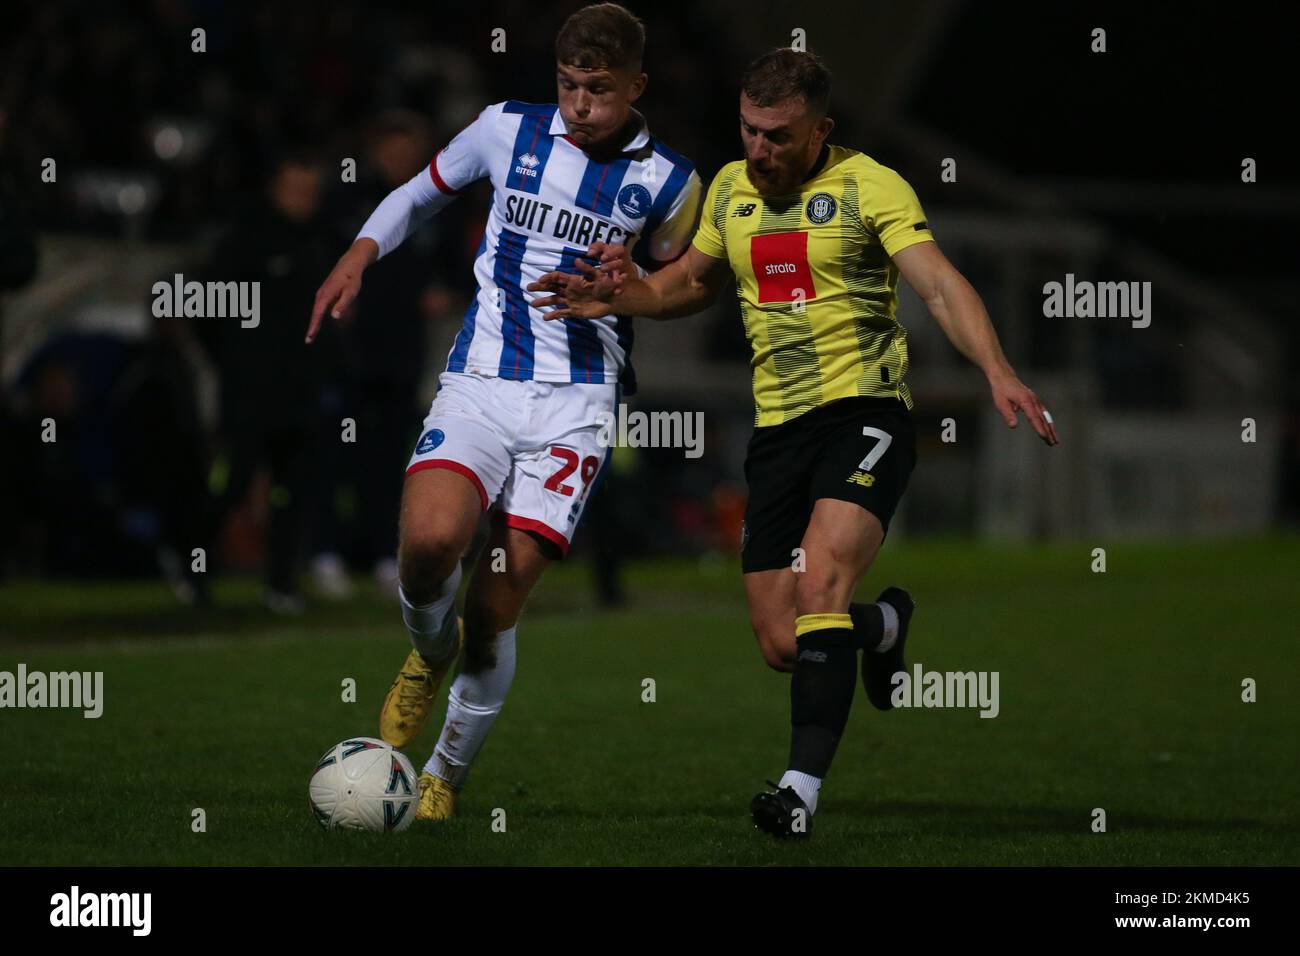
[340, 289]
[1011, 395]
[588, 294]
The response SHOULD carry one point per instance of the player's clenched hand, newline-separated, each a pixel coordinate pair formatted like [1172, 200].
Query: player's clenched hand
[1011, 395]
[585, 295]
[342, 286]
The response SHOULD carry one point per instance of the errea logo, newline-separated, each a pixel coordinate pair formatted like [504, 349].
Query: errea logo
[528, 163]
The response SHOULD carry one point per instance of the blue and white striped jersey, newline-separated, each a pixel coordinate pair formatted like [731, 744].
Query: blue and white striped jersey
[550, 202]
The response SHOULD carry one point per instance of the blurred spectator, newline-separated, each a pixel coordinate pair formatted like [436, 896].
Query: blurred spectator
[271, 382]
[163, 495]
[17, 266]
[17, 239]
[68, 438]
[385, 356]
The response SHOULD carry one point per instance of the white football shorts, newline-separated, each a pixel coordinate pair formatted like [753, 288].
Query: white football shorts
[532, 449]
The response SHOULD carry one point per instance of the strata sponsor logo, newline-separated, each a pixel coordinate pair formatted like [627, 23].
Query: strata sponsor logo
[1102, 300]
[208, 300]
[652, 430]
[79, 689]
[779, 261]
[947, 689]
[103, 909]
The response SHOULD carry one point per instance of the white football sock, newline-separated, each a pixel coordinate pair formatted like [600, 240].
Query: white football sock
[472, 707]
[805, 785]
[891, 627]
[424, 622]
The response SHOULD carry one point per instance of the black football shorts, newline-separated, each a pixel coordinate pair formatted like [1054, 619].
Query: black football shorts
[861, 450]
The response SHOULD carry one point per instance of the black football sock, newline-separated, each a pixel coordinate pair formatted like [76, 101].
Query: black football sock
[822, 690]
[868, 625]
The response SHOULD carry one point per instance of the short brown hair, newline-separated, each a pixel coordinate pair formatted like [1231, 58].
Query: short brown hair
[602, 35]
[782, 74]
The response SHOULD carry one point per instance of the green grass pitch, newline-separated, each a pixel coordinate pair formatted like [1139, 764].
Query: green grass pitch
[1119, 690]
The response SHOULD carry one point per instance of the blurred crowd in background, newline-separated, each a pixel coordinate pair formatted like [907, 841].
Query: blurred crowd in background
[228, 164]
[235, 154]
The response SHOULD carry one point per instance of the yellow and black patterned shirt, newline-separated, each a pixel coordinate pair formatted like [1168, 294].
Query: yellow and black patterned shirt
[816, 283]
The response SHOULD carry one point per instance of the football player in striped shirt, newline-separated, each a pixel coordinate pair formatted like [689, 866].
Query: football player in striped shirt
[515, 426]
[815, 236]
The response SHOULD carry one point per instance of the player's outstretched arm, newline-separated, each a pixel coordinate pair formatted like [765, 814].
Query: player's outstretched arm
[957, 307]
[683, 287]
[343, 284]
[400, 213]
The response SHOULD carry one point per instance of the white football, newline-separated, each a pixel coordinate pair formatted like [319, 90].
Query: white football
[364, 784]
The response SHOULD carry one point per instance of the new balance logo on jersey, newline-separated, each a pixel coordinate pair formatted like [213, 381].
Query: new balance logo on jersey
[817, 657]
[528, 163]
[744, 209]
[863, 478]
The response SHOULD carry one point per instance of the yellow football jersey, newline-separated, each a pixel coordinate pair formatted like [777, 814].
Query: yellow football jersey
[816, 283]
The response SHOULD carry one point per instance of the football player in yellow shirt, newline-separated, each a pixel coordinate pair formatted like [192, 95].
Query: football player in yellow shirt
[815, 237]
